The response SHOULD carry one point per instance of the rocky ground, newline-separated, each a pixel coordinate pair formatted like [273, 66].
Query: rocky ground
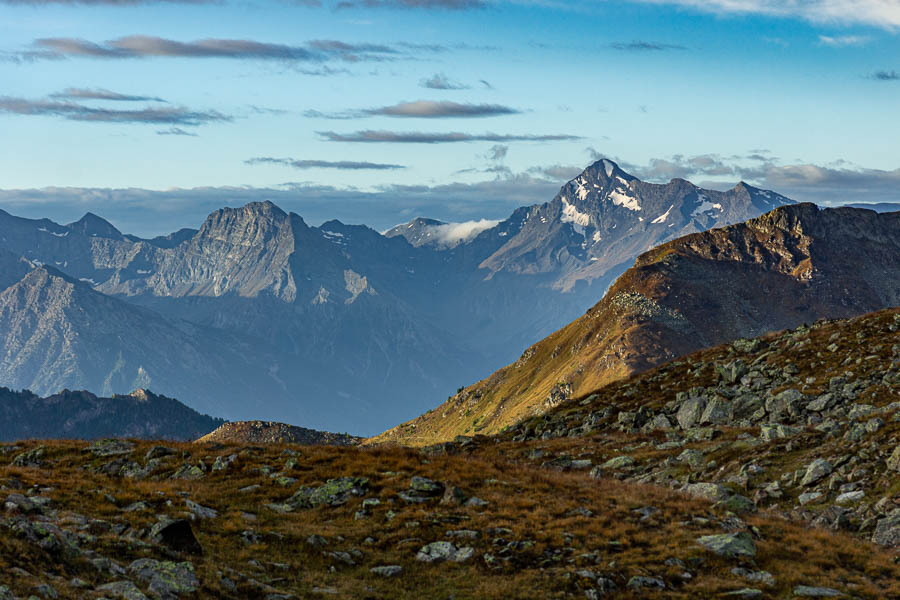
[271, 432]
[762, 469]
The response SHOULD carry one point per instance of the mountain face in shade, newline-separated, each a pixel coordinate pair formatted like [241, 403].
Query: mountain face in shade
[793, 265]
[82, 415]
[340, 327]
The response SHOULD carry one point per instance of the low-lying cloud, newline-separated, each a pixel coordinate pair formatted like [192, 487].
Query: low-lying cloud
[439, 81]
[170, 115]
[345, 165]
[420, 109]
[449, 235]
[644, 46]
[101, 94]
[418, 137]
[885, 76]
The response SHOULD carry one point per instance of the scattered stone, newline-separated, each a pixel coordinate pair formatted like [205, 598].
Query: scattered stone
[619, 462]
[732, 545]
[123, 590]
[335, 492]
[708, 491]
[387, 570]
[816, 470]
[887, 531]
[200, 511]
[639, 582]
[444, 551]
[111, 448]
[167, 580]
[850, 497]
[804, 591]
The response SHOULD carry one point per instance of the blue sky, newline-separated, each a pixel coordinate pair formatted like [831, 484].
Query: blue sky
[154, 113]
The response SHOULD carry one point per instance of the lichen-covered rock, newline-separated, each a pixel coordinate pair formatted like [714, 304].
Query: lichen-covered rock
[167, 580]
[444, 551]
[817, 470]
[334, 492]
[732, 545]
[887, 531]
[690, 412]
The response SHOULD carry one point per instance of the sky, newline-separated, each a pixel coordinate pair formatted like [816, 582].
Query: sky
[154, 113]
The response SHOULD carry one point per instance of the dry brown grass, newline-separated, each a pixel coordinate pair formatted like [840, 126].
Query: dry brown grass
[535, 504]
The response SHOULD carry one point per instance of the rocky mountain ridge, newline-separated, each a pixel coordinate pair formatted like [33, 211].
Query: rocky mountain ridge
[792, 265]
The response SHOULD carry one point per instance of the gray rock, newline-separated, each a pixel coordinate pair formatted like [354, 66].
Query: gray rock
[804, 591]
[893, 461]
[335, 492]
[732, 545]
[850, 497]
[690, 412]
[387, 570]
[707, 491]
[763, 577]
[639, 582]
[444, 551]
[619, 462]
[887, 531]
[111, 448]
[777, 431]
[123, 590]
[745, 593]
[717, 412]
[808, 497]
[167, 580]
[816, 470]
[200, 511]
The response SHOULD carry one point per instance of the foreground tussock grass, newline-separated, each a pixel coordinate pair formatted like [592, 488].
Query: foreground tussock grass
[540, 529]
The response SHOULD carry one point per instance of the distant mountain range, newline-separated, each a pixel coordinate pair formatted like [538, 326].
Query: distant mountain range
[793, 265]
[257, 315]
[82, 415]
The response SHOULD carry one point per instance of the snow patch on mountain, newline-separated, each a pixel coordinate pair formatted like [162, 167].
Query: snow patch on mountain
[570, 214]
[623, 199]
[610, 167]
[662, 218]
[705, 206]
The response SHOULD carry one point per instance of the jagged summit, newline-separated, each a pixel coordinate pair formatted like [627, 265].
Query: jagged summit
[93, 226]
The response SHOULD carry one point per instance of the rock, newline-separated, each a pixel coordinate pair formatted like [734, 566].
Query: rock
[738, 504]
[453, 496]
[732, 545]
[745, 593]
[816, 470]
[763, 577]
[422, 489]
[717, 412]
[476, 502]
[619, 462]
[804, 591]
[690, 412]
[200, 511]
[335, 492]
[808, 497]
[111, 448]
[444, 551]
[177, 535]
[167, 580]
[189, 473]
[887, 531]
[19, 503]
[639, 582]
[694, 458]
[220, 464]
[850, 497]
[707, 491]
[30, 458]
[124, 590]
[777, 431]
[893, 461]
[387, 570]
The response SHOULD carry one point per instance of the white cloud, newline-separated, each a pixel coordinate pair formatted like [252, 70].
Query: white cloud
[880, 13]
[843, 40]
[452, 234]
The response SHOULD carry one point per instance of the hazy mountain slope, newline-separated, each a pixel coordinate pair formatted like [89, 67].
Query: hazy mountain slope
[794, 264]
[59, 333]
[270, 432]
[82, 415]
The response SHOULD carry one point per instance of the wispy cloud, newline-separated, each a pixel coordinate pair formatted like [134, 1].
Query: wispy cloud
[176, 131]
[439, 81]
[644, 46]
[842, 41]
[417, 137]
[174, 115]
[880, 13]
[421, 109]
[101, 94]
[885, 76]
[101, 2]
[344, 165]
[423, 4]
[144, 46]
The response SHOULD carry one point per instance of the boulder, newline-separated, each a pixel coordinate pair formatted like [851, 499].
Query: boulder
[690, 412]
[732, 545]
[177, 535]
[816, 471]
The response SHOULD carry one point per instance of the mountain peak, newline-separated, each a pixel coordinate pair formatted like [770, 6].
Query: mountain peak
[266, 207]
[605, 165]
[93, 226]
